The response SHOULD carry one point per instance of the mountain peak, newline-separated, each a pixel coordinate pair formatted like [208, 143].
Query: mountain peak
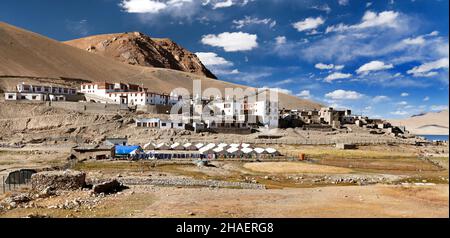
[136, 48]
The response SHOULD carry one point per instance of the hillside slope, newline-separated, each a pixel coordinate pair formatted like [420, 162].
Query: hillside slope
[30, 57]
[138, 49]
[432, 123]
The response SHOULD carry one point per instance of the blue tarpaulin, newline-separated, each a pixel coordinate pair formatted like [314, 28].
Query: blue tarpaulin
[126, 149]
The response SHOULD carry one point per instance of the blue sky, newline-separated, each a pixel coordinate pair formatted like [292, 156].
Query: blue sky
[384, 58]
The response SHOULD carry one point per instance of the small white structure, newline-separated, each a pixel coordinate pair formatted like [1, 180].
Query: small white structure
[259, 150]
[219, 150]
[149, 146]
[199, 145]
[207, 149]
[272, 151]
[149, 123]
[247, 150]
[189, 147]
[222, 145]
[177, 146]
[162, 146]
[232, 150]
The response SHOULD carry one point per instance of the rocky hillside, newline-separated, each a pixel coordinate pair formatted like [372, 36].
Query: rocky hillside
[138, 49]
[432, 123]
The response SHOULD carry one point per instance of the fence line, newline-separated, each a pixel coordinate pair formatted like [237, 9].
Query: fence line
[368, 141]
[9, 184]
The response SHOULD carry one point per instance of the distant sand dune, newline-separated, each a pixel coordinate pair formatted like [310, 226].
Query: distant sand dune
[432, 123]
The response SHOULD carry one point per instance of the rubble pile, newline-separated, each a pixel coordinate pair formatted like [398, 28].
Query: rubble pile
[58, 180]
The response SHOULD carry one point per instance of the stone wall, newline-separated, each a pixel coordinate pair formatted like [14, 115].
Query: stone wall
[85, 106]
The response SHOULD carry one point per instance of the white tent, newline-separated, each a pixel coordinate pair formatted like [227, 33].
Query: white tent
[177, 146]
[247, 150]
[234, 145]
[244, 145]
[205, 149]
[259, 150]
[232, 150]
[212, 145]
[162, 146]
[149, 146]
[189, 146]
[199, 145]
[222, 145]
[272, 151]
[219, 150]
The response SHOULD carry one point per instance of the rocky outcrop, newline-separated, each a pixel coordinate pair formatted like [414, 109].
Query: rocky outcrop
[108, 187]
[138, 49]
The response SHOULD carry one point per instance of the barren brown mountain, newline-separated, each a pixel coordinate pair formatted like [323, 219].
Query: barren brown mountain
[138, 49]
[30, 57]
[432, 123]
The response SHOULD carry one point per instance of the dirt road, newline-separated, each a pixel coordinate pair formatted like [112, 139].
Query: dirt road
[344, 202]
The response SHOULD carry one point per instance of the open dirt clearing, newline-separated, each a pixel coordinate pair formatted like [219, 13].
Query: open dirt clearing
[339, 201]
[290, 168]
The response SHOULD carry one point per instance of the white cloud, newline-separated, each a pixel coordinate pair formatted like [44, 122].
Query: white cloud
[427, 69]
[380, 98]
[404, 94]
[306, 94]
[374, 66]
[253, 21]
[143, 6]
[420, 40]
[399, 113]
[308, 24]
[339, 67]
[337, 75]
[280, 40]
[402, 103]
[81, 27]
[323, 7]
[212, 59]
[344, 95]
[343, 2]
[232, 42]
[426, 99]
[224, 4]
[369, 20]
[278, 90]
[438, 108]
[217, 64]
[323, 66]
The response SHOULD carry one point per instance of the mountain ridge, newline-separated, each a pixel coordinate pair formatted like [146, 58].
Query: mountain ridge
[136, 48]
[27, 56]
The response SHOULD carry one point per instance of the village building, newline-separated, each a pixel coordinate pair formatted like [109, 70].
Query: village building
[32, 92]
[125, 94]
[160, 124]
[97, 152]
[116, 141]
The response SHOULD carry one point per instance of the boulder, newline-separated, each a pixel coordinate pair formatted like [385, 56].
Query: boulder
[108, 187]
[58, 180]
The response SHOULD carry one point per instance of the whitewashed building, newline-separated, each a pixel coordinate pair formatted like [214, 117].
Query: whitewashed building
[32, 92]
[128, 94]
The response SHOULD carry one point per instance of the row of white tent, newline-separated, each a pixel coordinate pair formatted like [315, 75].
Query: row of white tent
[212, 148]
